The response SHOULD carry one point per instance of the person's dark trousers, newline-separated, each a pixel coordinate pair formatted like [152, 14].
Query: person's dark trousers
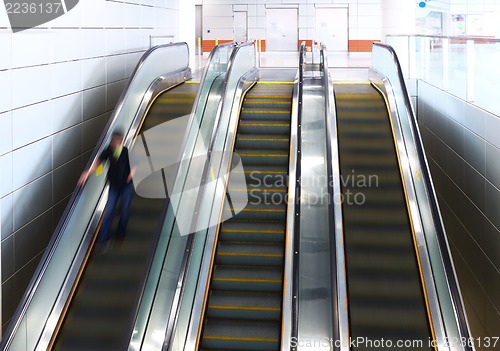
[115, 193]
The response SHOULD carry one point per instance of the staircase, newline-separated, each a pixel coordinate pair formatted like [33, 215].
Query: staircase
[243, 310]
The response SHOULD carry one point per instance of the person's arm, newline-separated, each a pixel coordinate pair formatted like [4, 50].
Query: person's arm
[86, 174]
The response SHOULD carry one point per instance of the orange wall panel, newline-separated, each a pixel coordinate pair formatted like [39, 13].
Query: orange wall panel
[361, 45]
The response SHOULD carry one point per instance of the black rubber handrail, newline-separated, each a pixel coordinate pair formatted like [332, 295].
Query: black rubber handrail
[436, 216]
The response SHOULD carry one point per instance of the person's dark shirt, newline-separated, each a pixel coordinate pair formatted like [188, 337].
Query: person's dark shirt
[119, 169]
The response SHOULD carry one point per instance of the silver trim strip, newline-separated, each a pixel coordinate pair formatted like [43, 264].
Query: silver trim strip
[331, 122]
[290, 253]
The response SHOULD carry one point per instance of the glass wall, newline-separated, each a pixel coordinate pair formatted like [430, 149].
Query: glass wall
[467, 67]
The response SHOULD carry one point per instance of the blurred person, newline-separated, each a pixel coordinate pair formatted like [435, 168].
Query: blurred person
[121, 189]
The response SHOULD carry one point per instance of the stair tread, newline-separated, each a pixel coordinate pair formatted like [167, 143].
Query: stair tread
[254, 226]
[257, 207]
[242, 330]
[262, 136]
[262, 153]
[266, 123]
[250, 248]
[265, 169]
[245, 300]
[252, 273]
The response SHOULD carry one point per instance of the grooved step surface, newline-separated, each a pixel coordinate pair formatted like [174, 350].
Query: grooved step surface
[385, 293]
[99, 313]
[244, 305]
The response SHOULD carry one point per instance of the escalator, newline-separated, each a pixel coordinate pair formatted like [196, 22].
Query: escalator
[99, 312]
[244, 299]
[385, 289]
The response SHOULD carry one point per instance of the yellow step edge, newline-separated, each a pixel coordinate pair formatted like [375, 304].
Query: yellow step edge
[254, 231]
[263, 190]
[249, 280]
[246, 111]
[235, 338]
[263, 139]
[276, 96]
[246, 255]
[244, 308]
[250, 266]
[351, 83]
[261, 155]
[252, 210]
[251, 242]
[274, 83]
[265, 124]
[268, 172]
[268, 102]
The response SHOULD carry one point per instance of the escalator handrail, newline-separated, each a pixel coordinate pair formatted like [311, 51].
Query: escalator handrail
[73, 201]
[197, 307]
[339, 315]
[158, 230]
[452, 281]
[205, 176]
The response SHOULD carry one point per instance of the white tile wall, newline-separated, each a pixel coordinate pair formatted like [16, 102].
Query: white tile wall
[5, 91]
[5, 132]
[39, 119]
[58, 86]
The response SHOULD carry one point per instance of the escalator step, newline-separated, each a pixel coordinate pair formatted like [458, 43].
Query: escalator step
[259, 192]
[376, 261]
[244, 305]
[267, 126]
[263, 157]
[262, 141]
[249, 253]
[247, 278]
[241, 335]
[396, 318]
[265, 113]
[367, 288]
[252, 231]
[268, 174]
[258, 211]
